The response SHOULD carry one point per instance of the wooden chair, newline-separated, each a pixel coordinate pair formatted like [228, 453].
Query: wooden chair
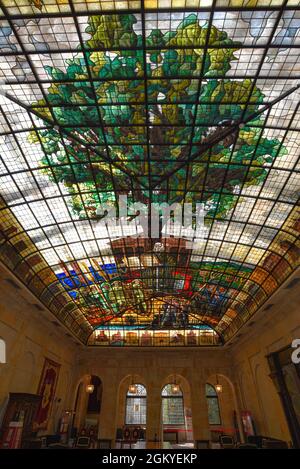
[57, 446]
[83, 442]
[227, 442]
[126, 433]
[135, 435]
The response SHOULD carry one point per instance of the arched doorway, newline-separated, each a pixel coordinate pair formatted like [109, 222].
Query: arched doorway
[87, 406]
[94, 402]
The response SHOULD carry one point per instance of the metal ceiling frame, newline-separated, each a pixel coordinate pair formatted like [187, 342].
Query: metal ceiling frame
[153, 183]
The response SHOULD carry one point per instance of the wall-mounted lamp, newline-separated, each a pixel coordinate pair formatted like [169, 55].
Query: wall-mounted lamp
[132, 387]
[90, 388]
[175, 386]
[218, 386]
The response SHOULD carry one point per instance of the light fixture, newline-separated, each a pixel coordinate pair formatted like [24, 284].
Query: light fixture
[175, 386]
[90, 388]
[132, 387]
[218, 386]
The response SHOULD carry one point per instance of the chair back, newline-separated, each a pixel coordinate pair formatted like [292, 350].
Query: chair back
[57, 446]
[83, 442]
[136, 433]
[126, 433]
[226, 441]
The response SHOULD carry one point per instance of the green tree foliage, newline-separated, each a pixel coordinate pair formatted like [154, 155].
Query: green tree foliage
[121, 94]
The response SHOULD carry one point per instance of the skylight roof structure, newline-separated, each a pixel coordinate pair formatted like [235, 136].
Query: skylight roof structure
[158, 102]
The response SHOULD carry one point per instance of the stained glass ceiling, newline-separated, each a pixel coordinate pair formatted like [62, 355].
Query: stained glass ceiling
[162, 102]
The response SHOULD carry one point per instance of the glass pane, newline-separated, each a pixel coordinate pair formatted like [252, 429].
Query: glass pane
[163, 106]
[136, 411]
[213, 411]
[210, 390]
[168, 391]
[173, 413]
[140, 391]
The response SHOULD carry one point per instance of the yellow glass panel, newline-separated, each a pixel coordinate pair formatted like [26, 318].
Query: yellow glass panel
[178, 3]
[249, 3]
[151, 3]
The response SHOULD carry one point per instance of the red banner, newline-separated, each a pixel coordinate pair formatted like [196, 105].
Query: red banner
[46, 390]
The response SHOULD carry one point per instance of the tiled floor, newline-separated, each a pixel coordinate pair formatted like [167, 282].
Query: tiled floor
[157, 445]
[189, 445]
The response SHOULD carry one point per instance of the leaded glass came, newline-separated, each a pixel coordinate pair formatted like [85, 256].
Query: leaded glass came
[212, 399]
[136, 406]
[162, 102]
[172, 406]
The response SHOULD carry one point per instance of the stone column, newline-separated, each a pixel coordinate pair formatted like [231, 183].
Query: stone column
[108, 413]
[153, 426]
[236, 401]
[81, 408]
[201, 429]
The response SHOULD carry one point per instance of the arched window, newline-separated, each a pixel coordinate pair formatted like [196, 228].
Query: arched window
[212, 399]
[172, 405]
[2, 351]
[136, 405]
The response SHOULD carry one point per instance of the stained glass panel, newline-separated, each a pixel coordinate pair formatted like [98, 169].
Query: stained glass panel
[136, 406]
[172, 406]
[214, 417]
[162, 102]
